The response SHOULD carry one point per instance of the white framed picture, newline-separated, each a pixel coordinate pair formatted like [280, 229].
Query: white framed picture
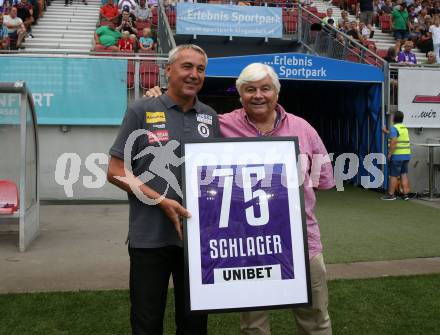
[246, 241]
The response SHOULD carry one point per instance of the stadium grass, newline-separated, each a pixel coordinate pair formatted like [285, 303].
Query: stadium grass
[393, 305]
[357, 226]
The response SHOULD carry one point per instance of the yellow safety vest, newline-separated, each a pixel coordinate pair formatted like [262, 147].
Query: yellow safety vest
[403, 145]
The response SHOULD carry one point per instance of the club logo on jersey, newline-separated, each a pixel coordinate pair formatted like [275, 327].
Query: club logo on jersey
[157, 136]
[203, 129]
[204, 118]
[155, 117]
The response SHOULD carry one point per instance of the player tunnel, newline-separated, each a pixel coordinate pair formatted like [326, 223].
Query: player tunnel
[343, 101]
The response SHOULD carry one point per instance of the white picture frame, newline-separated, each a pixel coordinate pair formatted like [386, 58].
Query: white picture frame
[246, 241]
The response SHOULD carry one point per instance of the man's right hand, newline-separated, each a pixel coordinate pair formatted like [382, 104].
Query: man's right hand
[175, 212]
[153, 92]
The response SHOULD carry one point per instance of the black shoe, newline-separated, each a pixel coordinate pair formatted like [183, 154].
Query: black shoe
[405, 197]
[388, 197]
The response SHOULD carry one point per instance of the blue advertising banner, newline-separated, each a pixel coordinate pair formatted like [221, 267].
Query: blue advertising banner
[72, 91]
[296, 66]
[228, 20]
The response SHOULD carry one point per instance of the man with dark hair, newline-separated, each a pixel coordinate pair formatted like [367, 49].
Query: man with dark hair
[399, 155]
[127, 22]
[149, 172]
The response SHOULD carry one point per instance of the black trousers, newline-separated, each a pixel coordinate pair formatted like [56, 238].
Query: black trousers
[150, 271]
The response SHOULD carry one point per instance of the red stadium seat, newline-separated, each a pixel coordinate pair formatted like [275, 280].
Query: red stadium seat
[142, 24]
[154, 19]
[9, 203]
[381, 53]
[172, 19]
[385, 23]
[353, 55]
[290, 23]
[149, 74]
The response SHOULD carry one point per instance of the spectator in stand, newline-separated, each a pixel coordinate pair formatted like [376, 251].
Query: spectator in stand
[25, 12]
[125, 43]
[412, 14]
[431, 59]
[16, 28]
[421, 16]
[109, 11]
[4, 39]
[329, 15]
[424, 43]
[436, 8]
[365, 31]
[130, 3]
[346, 27]
[406, 56]
[146, 42]
[127, 22]
[143, 12]
[354, 31]
[387, 8]
[344, 17]
[417, 6]
[434, 31]
[108, 36]
[365, 11]
[391, 55]
[401, 24]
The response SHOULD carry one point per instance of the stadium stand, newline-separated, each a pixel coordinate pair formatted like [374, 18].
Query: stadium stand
[382, 38]
[65, 28]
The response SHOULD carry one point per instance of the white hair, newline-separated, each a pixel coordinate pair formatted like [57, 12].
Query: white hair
[172, 55]
[257, 71]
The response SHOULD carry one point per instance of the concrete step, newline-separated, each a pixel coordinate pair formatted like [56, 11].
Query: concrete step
[71, 14]
[62, 34]
[45, 20]
[83, 40]
[59, 6]
[58, 45]
[58, 27]
[55, 51]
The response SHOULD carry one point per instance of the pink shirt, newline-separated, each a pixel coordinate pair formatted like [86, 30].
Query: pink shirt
[237, 124]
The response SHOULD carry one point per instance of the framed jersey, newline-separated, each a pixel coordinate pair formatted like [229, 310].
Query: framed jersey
[246, 242]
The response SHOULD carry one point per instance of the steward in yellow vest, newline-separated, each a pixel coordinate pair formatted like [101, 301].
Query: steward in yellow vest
[399, 155]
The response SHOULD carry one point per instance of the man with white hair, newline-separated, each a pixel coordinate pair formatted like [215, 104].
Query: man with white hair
[261, 115]
[155, 227]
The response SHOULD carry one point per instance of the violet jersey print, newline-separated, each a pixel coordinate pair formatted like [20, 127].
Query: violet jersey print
[244, 223]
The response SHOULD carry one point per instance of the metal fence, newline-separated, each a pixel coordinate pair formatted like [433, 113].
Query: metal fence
[324, 40]
[164, 33]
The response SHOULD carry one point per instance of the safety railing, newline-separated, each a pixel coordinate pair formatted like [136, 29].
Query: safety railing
[324, 40]
[164, 32]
